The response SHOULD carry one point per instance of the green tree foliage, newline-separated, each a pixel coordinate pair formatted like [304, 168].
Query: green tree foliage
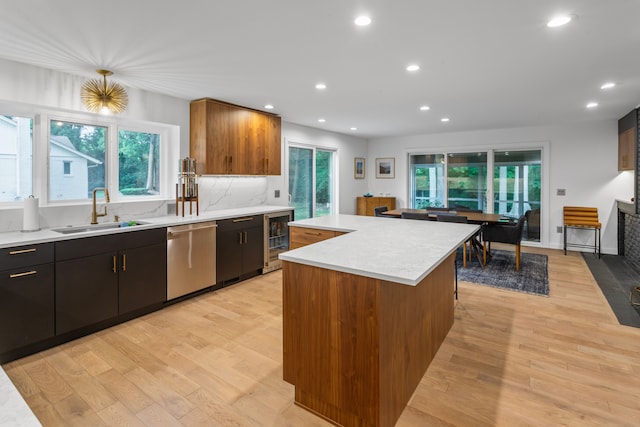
[138, 155]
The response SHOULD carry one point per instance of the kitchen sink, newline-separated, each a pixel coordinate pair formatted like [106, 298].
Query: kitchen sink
[96, 227]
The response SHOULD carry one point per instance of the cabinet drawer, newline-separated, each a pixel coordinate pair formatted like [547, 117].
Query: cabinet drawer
[21, 256]
[88, 246]
[240, 223]
[302, 236]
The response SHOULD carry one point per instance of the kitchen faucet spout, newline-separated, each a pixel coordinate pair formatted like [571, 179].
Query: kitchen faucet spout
[94, 212]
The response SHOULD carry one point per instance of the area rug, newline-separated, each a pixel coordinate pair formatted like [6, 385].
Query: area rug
[500, 272]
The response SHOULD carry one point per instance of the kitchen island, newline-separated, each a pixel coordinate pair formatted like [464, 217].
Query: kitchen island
[364, 313]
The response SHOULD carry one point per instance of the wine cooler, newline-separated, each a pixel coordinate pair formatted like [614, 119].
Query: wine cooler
[276, 238]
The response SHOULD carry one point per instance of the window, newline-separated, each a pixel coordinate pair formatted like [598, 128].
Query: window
[66, 167]
[83, 144]
[427, 185]
[467, 180]
[515, 177]
[517, 187]
[139, 163]
[16, 158]
[311, 181]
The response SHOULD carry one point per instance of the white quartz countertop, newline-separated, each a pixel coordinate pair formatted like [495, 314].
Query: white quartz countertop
[14, 411]
[18, 238]
[397, 250]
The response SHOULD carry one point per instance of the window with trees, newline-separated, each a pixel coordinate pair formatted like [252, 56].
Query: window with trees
[139, 163]
[86, 146]
[515, 177]
[82, 144]
[311, 181]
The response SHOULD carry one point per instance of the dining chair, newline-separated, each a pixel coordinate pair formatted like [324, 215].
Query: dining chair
[415, 215]
[451, 217]
[378, 211]
[504, 233]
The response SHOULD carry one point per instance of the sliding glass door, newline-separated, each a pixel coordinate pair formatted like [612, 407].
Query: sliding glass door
[517, 187]
[467, 181]
[499, 181]
[311, 181]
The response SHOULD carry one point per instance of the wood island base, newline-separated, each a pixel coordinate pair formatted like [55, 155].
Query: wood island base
[354, 347]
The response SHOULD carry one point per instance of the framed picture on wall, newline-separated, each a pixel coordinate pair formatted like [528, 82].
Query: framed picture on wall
[386, 167]
[358, 168]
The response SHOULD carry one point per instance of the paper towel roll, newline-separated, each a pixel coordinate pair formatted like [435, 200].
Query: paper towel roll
[31, 217]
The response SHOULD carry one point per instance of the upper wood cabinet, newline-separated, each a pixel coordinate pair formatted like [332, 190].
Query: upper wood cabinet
[227, 139]
[627, 131]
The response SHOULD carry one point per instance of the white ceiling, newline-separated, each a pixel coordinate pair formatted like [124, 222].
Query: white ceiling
[485, 64]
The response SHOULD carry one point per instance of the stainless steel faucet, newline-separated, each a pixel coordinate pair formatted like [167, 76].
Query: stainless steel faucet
[94, 212]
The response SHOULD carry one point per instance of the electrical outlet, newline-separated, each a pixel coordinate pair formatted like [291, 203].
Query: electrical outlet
[276, 194]
[559, 229]
[561, 192]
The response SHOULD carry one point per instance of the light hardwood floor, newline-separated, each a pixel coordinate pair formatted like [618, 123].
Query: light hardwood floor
[511, 359]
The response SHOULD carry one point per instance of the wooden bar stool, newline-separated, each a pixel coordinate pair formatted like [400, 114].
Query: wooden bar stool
[579, 217]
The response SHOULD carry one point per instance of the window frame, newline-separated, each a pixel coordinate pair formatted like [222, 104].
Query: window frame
[41, 117]
[335, 184]
[490, 149]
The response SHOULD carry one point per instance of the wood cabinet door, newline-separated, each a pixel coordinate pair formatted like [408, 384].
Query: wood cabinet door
[626, 150]
[26, 306]
[142, 277]
[273, 145]
[86, 291]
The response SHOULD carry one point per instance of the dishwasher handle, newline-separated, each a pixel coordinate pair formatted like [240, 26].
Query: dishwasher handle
[174, 231]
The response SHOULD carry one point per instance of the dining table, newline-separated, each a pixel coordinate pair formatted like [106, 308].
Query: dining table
[473, 217]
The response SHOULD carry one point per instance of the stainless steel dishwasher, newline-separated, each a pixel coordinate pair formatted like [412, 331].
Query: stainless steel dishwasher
[191, 258]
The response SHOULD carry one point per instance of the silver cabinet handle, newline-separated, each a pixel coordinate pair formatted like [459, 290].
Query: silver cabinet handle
[26, 273]
[23, 251]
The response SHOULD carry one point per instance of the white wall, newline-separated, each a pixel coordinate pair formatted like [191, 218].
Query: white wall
[29, 85]
[581, 158]
[347, 148]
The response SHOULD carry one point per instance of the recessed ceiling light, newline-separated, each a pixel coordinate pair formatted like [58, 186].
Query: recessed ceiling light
[362, 21]
[354, 128]
[413, 67]
[558, 21]
[425, 108]
[322, 120]
[269, 107]
[592, 105]
[608, 85]
[444, 119]
[321, 86]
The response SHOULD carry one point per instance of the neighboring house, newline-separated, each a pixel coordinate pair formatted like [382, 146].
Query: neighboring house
[15, 158]
[68, 170]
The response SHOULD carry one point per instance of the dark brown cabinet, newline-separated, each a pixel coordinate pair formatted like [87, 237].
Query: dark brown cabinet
[26, 296]
[226, 139]
[100, 278]
[239, 249]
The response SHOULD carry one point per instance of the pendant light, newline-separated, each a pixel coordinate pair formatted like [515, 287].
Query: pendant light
[100, 96]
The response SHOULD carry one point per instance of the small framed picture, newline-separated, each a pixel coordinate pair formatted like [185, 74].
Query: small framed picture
[358, 168]
[386, 167]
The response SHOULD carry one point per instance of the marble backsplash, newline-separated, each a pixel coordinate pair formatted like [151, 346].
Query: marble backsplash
[215, 193]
